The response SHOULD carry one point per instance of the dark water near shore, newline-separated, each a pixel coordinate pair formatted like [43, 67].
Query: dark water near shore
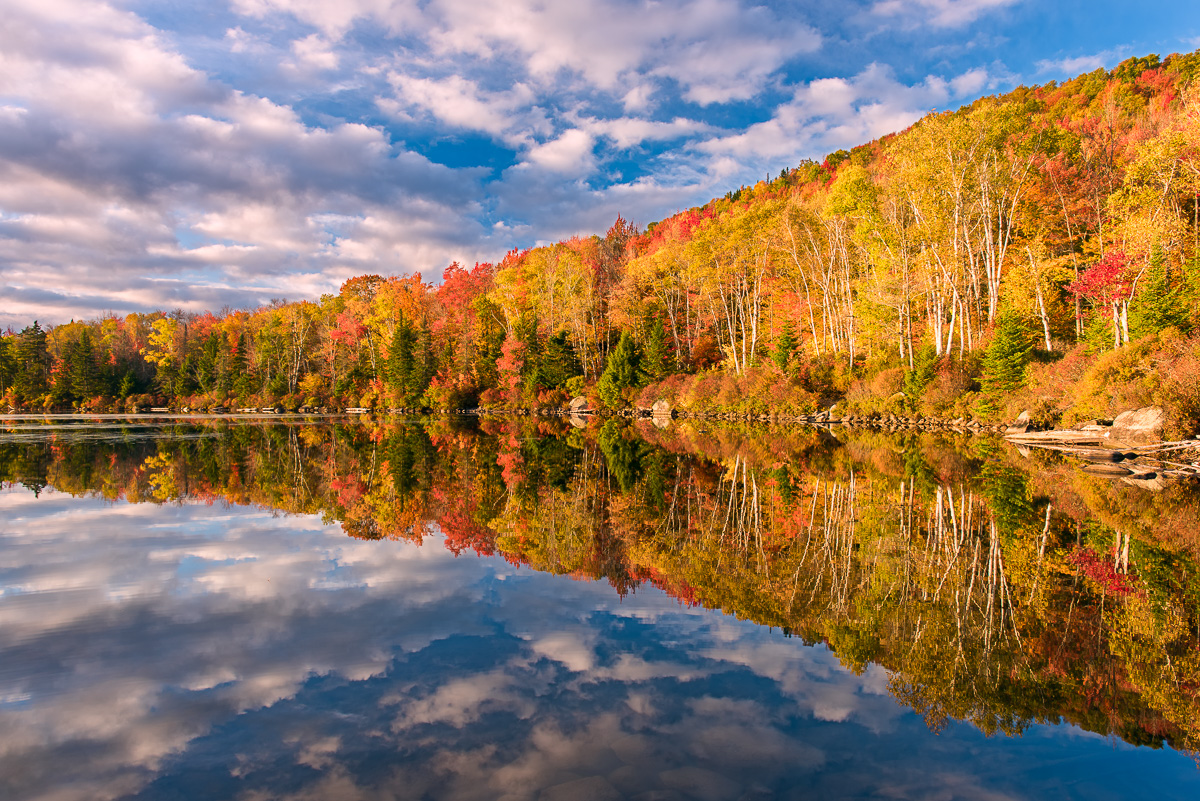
[518, 609]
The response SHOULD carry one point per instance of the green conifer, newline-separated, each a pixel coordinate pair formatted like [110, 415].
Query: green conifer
[1006, 361]
[656, 361]
[1160, 303]
[621, 372]
[785, 346]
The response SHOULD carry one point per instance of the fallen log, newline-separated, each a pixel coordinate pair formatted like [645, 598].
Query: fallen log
[1113, 470]
[1073, 437]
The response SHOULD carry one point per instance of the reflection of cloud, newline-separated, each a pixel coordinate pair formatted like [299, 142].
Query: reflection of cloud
[281, 659]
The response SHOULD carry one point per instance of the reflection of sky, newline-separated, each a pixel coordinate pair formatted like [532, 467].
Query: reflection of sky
[204, 652]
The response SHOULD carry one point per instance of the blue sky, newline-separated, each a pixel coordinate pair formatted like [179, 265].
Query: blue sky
[164, 155]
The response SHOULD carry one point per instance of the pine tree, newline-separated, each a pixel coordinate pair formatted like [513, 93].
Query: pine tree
[8, 367]
[1005, 362]
[558, 362]
[1160, 302]
[32, 358]
[207, 366]
[656, 361]
[84, 374]
[621, 372]
[401, 362]
[239, 369]
[785, 346]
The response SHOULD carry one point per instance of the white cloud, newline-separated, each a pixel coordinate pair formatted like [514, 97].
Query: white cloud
[315, 52]
[334, 19]
[510, 115]
[833, 113]
[1076, 65]
[626, 132]
[939, 13]
[113, 152]
[569, 154]
[141, 168]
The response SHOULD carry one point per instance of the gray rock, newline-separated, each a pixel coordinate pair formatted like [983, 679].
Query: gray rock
[661, 408]
[579, 405]
[1140, 426]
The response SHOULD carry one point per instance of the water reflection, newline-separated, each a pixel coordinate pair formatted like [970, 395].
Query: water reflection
[241, 645]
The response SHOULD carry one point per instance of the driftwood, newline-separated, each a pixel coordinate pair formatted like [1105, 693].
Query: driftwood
[1138, 465]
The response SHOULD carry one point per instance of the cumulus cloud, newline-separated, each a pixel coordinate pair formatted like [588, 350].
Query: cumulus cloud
[1074, 65]
[939, 13]
[145, 644]
[277, 147]
[510, 115]
[833, 113]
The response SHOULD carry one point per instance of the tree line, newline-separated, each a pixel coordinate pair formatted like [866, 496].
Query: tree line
[1052, 220]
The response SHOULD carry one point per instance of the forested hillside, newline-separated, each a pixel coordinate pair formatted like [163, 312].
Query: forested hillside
[1039, 249]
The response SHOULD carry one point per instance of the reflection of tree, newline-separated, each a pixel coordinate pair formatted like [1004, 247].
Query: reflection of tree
[991, 595]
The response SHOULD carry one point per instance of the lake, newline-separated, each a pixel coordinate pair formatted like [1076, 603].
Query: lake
[522, 609]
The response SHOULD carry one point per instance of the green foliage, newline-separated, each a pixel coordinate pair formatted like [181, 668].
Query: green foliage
[622, 371]
[656, 354]
[1160, 302]
[622, 453]
[409, 367]
[84, 372]
[1131, 68]
[921, 374]
[558, 363]
[785, 347]
[32, 374]
[8, 365]
[1005, 362]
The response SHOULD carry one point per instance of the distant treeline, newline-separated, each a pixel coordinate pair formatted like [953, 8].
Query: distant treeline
[984, 257]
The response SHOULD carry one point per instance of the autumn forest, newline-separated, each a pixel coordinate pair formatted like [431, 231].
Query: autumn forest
[1038, 250]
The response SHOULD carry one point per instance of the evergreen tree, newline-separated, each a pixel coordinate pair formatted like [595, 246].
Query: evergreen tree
[426, 365]
[32, 357]
[185, 377]
[128, 385]
[621, 372]
[785, 346]
[8, 367]
[656, 361]
[527, 334]
[207, 365]
[1006, 360]
[410, 364]
[1160, 303]
[923, 370]
[401, 361]
[83, 371]
[558, 362]
[489, 343]
[239, 369]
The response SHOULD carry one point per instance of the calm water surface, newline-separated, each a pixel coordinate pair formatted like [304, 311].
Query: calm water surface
[214, 611]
